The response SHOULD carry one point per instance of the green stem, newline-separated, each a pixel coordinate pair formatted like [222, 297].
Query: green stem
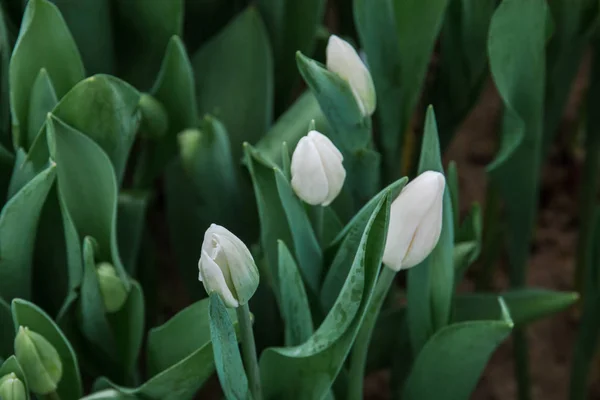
[521, 355]
[358, 360]
[249, 351]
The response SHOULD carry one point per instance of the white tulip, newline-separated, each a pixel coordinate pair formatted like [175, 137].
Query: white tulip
[415, 221]
[317, 171]
[343, 60]
[226, 267]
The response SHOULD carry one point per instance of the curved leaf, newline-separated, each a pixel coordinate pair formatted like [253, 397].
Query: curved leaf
[42, 101]
[11, 365]
[7, 332]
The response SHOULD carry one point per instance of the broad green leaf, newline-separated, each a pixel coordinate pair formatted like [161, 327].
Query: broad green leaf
[6, 41]
[417, 26]
[462, 69]
[292, 126]
[431, 283]
[295, 309]
[27, 314]
[292, 26]
[89, 206]
[376, 29]
[11, 365]
[7, 332]
[345, 245]
[174, 89]
[306, 246]
[41, 102]
[516, 44]
[450, 363]
[18, 226]
[44, 42]
[233, 67]
[144, 29]
[131, 218]
[574, 23]
[307, 371]
[524, 305]
[104, 108]
[90, 22]
[201, 189]
[228, 360]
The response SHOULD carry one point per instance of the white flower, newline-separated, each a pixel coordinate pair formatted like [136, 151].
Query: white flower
[226, 267]
[415, 221]
[343, 60]
[317, 171]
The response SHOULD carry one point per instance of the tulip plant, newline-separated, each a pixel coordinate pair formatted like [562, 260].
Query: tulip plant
[140, 140]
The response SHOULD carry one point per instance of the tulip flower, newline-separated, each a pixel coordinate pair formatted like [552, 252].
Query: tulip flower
[343, 60]
[317, 171]
[415, 221]
[112, 288]
[40, 361]
[11, 388]
[226, 267]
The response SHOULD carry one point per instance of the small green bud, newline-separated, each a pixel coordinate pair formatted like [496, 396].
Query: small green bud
[40, 361]
[11, 388]
[155, 122]
[112, 288]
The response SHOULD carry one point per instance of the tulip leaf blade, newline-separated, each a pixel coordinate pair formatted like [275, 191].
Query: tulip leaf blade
[525, 305]
[228, 360]
[29, 315]
[295, 309]
[442, 360]
[223, 86]
[431, 283]
[42, 100]
[468, 242]
[308, 370]
[44, 42]
[7, 332]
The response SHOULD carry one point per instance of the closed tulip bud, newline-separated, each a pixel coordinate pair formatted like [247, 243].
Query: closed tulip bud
[226, 267]
[40, 361]
[112, 288]
[11, 388]
[317, 170]
[415, 221]
[343, 60]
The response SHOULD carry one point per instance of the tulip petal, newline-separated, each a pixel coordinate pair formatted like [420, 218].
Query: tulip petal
[214, 282]
[308, 176]
[331, 158]
[243, 270]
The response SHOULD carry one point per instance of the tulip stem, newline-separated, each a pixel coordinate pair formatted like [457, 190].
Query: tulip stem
[249, 351]
[358, 361]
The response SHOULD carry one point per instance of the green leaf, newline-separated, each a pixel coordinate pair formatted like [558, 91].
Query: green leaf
[11, 365]
[525, 305]
[18, 225]
[228, 360]
[234, 66]
[174, 89]
[42, 101]
[468, 240]
[306, 246]
[144, 29]
[450, 363]
[292, 126]
[201, 189]
[7, 332]
[108, 394]
[131, 218]
[307, 371]
[431, 283]
[345, 245]
[453, 188]
[516, 44]
[295, 308]
[31, 316]
[89, 206]
[91, 25]
[292, 26]
[462, 67]
[44, 42]
[5, 52]
[105, 109]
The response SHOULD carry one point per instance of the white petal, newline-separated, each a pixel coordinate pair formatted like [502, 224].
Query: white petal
[214, 281]
[343, 60]
[242, 269]
[331, 158]
[321, 141]
[308, 177]
[426, 236]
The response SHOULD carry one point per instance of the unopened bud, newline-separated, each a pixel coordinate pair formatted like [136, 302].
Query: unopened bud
[112, 288]
[11, 388]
